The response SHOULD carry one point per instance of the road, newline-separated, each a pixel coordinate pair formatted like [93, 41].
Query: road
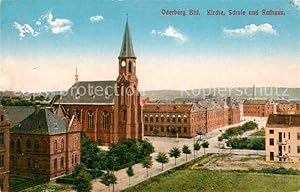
[162, 144]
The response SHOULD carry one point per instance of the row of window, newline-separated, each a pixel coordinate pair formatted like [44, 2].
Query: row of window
[282, 135]
[28, 145]
[105, 120]
[168, 119]
[165, 129]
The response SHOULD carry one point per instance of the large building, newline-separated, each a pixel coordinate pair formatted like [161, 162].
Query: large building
[45, 145]
[108, 110]
[4, 151]
[286, 107]
[283, 138]
[258, 108]
[188, 119]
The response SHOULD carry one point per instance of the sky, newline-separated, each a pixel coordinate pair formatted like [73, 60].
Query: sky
[41, 42]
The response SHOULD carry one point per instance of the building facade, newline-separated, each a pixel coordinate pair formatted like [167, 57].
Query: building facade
[286, 107]
[108, 110]
[45, 145]
[258, 108]
[283, 138]
[187, 119]
[4, 151]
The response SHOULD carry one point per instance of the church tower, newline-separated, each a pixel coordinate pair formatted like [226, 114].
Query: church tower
[127, 100]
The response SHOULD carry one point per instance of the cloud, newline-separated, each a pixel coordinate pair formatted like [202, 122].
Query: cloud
[251, 29]
[96, 18]
[170, 32]
[57, 25]
[296, 3]
[24, 29]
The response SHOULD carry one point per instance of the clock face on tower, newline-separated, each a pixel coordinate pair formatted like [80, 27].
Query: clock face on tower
[123, 63]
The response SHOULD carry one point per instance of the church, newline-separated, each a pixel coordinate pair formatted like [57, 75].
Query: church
[108, 111]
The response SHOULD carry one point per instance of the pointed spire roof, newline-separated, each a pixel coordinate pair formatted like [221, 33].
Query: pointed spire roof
[127, 48]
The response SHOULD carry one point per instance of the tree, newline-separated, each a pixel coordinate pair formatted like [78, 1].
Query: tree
[205, 145]
[130, 173]
[82, 179]
[186, 150]
[147, 163]
[162, 158]
[175, 152]
[109, 179]
[197, 147]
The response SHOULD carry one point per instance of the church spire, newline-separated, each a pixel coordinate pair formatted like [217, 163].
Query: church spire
[127, 48]
[76, 75]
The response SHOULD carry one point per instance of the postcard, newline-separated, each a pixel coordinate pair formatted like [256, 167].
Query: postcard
[162, 95]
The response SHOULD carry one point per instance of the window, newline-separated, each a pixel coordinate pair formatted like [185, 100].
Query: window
[55, 164]
[130, 67]
[146, 118]
[29, 163]
[36, 147]
[18, 145]
[105, 121]
[55, 145]
[185, 130]
[72, 159]
[36, 164]
[90, 120]
[271, 131]
[151, 128]
[298, 149]
[289, 135]
[271, 141]
[173, 119]
[28, 144]
[162, 129]
[2, 117]
[162, 119]
[185, 119]
[1, 139]
[1, 160]
[168, 119]
[62, 145]
[156, 119]
[12, 144]
[179, 129]
[179, 119]
[298, 136]
[151, 119]
[62, 162]
[125, 115]
[271, 156]
[75, 159]
[146, 128]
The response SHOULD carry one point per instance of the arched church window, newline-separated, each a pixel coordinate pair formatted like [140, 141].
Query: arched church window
[90, 120]
[105, 120]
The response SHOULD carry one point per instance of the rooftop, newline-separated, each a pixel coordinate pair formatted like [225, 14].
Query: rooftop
[286, 120]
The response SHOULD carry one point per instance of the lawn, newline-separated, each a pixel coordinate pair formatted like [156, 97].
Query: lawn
[205, 180]
[50, 187]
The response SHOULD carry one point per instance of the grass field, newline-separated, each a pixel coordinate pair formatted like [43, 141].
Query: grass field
[204, 180]
[193, 177]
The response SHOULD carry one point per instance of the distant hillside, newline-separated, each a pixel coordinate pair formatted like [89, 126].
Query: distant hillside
[240, 92]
